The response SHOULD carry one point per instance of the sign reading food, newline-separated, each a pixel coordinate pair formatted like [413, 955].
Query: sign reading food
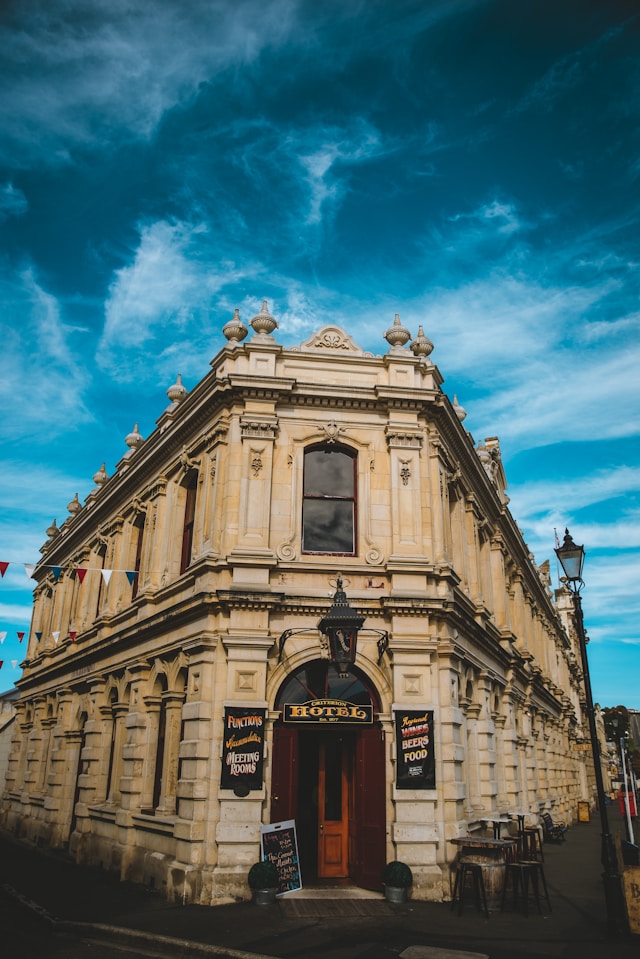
[415, 760]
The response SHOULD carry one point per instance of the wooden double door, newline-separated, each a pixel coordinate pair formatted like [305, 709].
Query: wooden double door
[331, 782]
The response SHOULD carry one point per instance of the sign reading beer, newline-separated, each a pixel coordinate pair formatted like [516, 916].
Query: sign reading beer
[416, 768]
[242, 748]
[328, 711]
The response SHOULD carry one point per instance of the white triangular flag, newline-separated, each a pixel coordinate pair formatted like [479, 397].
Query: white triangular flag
[56, 636]
[14, 663]
[29, 568]
[3, 636]
[106, 575]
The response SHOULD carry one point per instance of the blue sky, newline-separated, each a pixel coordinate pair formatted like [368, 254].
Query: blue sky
[473, 165]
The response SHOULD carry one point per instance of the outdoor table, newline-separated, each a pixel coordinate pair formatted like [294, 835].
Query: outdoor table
[521, 815]
[497, 822]
[492, 855]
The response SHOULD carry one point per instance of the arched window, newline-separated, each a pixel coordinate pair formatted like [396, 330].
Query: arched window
[329, 501]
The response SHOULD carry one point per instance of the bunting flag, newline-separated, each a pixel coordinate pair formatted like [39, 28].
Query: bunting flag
[38, 636]
[20, 637]
[57, 571]
[1, 662]
[72, 635]
[56, 636]
[106, 575]
[14, 663]
[3, 636]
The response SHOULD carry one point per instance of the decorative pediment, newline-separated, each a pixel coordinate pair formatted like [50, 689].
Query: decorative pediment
[332, 338]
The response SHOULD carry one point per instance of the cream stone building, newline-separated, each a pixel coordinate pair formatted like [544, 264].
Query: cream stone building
[179, 689]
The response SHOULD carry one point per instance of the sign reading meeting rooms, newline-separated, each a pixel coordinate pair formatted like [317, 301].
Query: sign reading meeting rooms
[242, 748]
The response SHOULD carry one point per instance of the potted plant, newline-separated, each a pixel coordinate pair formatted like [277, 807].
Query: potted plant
[263, 881]
[397, 878]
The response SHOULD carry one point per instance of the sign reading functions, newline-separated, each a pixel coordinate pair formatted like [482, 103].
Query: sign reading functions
[242, 749]
[328, 711]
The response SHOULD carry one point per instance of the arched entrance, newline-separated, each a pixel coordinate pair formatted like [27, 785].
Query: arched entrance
[328, 773]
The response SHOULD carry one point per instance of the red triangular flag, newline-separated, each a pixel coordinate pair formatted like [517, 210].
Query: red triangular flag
[81, 573]
[3, 568]
[72, 635]
[1, 662]
[20, 636]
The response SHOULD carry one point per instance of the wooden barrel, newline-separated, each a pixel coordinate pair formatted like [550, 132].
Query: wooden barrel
[493, 872]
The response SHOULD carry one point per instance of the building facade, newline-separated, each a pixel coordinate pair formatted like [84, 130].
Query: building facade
[178, 692]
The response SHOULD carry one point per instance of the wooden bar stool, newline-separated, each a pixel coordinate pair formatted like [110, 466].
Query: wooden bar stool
[532, 844]
[523, 875]
[465, 871]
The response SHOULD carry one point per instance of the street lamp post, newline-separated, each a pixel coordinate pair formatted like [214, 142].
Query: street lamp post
[571, 559]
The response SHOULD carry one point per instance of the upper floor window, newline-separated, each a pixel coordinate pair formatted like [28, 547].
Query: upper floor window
[138, 527]
[191, 485]
[329, 501]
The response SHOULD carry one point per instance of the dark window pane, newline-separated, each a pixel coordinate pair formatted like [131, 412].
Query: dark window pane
[328, 473]
[333, 780]
[320, 680]
[327, 526]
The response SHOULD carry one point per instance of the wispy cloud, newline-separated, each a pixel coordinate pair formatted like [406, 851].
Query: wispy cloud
[95, 73]
[501, 216]
[163, 295]
[42, 378]
[13, 202]
[566, 73]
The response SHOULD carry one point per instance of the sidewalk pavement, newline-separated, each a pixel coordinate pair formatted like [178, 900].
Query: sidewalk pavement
[92, 905]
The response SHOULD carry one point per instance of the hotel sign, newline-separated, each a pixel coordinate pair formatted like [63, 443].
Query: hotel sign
[328, 711]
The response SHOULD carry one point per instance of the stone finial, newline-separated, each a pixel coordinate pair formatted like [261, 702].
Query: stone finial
[422, 345]
[235, 330]
[177, 392]
[101, 477]
[52, 531]
[460, 411]
[134, 439]
[263, 323]
[397, 335]
[74, 506]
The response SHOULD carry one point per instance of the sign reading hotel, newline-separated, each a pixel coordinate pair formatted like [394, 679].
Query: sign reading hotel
[415, 765]
[328, 711]
[242, 749]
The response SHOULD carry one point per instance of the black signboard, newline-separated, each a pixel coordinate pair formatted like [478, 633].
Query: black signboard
[242, 749]
[415, 767]
[328, 711]
[280, 846]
